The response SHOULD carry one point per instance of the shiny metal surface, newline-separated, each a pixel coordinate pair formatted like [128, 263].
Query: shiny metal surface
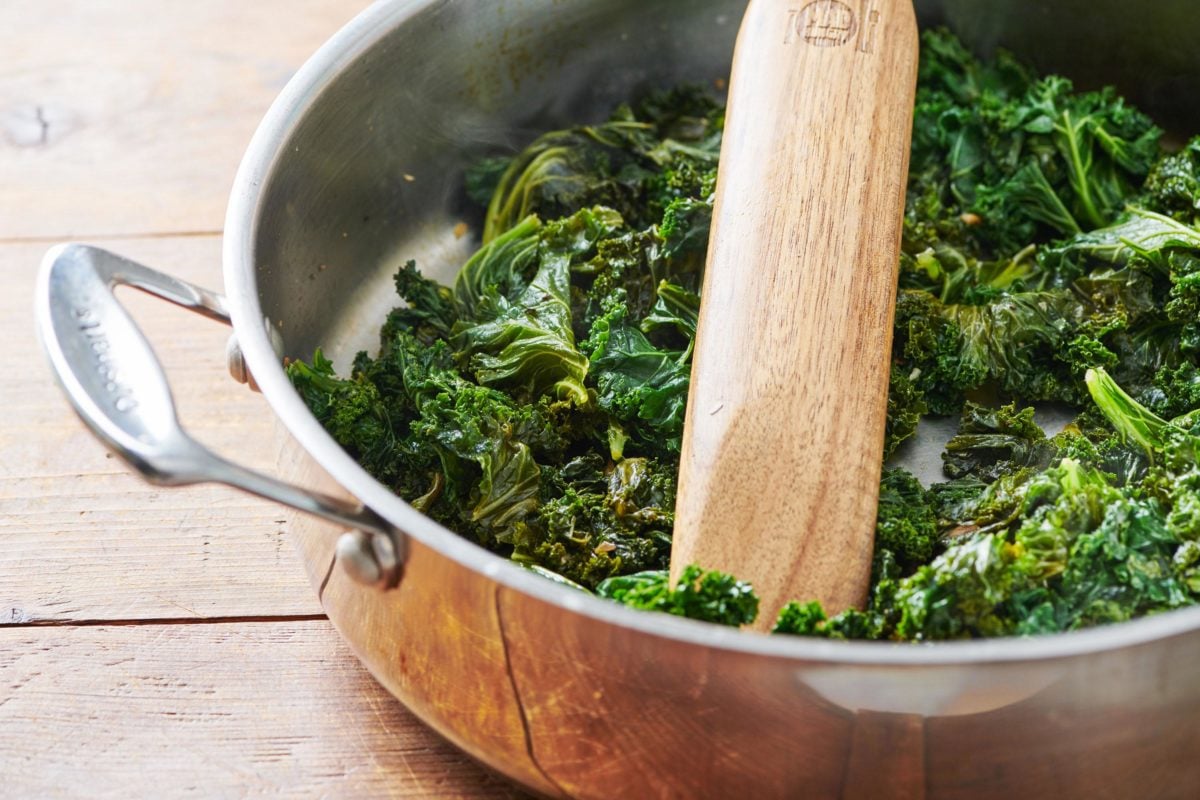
[565, 693]
[236, 363]
[370, 560]
[112, 378]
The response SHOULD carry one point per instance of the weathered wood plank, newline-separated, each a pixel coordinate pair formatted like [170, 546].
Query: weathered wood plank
[84, 539]
[211, 710]
[132, 118]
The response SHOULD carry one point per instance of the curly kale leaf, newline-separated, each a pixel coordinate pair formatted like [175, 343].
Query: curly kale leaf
[1132, 421]
[482, 178]
[501, 268]
[1001, 163]
[993, 442]
[906, 405]
[1123, 569]
[982, 585]
[430, 312]
[565, 171]
[1099, 150]
[1019, 157]
[637, 382]
[1140, 232]
[1173, 185]
[527, 345]
[598, 520]
[484, 443]
[959, 115]
[637, 162]
[676, 308]
[809, 619]
[1178, 389]
[1183, 300]
[1076, 548]
[628, 269]
[1070, 549]
[948, 68]
[1028, 193]
[355, 413]
[710, 596]
[1015, 342]
[686, 223]
[905, 524]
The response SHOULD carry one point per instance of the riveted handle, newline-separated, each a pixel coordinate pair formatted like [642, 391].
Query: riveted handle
[115, 383]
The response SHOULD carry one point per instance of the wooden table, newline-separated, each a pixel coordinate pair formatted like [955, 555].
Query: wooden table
[162, 642]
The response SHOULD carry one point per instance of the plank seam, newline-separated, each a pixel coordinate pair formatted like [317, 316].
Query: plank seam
[121, 623]
[54, 238]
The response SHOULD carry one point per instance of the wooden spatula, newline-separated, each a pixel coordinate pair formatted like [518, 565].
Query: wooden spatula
[779, 478]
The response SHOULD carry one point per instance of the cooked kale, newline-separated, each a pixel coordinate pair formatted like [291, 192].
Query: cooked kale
[992, 442]
[1079, 548]
[1050, 254]
[709, 596]
[536, 406]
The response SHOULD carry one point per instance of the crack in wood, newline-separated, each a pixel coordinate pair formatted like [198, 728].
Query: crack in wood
[325, 580]
[512, 680]
[44, 124]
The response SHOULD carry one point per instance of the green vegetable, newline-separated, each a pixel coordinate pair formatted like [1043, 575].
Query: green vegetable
[995, 442]
[906, 406]
[526, 344]
[537, 405]
[906, 525]
[637, 163]
[709, 596]
[1050, 254]
[1131, 421]
[635, 380]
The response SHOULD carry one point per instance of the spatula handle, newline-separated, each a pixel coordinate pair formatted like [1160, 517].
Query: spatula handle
[779, 477]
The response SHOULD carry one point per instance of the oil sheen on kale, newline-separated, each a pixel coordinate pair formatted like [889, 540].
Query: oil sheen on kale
[1051, 254]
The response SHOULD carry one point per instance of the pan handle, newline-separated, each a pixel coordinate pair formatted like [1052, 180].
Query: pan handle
[117, 386]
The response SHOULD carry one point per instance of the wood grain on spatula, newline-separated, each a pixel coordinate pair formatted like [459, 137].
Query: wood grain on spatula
[779, 477]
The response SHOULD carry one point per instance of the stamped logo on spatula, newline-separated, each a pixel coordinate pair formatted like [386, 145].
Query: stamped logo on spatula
[832, 23]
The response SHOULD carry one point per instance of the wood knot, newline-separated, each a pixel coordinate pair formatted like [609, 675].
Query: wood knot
[30, 125]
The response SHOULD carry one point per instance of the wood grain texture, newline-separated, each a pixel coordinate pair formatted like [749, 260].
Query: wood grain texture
[84, 539]
[131, 117]
[212, 710]
[122, 118]
[779, 475]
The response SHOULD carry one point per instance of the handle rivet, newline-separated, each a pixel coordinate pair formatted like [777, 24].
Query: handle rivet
[235, 361]
[369, 559]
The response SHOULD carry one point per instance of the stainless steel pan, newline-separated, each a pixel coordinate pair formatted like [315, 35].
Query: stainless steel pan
[357, 168]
